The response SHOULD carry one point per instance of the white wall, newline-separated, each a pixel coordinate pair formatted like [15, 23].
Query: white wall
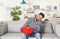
[5, 14]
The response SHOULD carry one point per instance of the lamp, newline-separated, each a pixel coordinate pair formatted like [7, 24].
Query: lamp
[23, 2]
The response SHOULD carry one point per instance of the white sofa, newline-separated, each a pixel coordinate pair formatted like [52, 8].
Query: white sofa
[11, 30]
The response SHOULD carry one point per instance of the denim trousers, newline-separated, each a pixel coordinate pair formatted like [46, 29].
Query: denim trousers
[36, 35]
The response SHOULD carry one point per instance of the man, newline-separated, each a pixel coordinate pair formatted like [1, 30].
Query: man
[34, 22]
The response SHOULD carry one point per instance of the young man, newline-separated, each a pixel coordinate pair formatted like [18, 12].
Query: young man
[34, 22]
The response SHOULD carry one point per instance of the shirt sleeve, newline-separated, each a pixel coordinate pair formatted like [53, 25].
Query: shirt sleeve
[28, 21]
[38, 26]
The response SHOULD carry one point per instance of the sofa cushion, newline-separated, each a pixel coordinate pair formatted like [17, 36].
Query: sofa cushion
[46, 27]
[14, 36]
[49, 36]
[56, 27]
[19, 36]
[3, 28]
[11, 36]
[53, 26]
[31, 38]
[0, 37]
[15, 26]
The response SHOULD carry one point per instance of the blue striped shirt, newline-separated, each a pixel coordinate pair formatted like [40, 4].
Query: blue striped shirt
[30, 22]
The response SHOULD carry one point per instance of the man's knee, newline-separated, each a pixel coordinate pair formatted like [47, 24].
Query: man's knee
[24, 35]
[37, 35]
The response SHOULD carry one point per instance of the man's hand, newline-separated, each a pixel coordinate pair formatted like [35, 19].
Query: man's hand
[24, 25]
[34, 30]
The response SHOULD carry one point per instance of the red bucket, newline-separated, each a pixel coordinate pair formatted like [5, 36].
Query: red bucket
[26, 30]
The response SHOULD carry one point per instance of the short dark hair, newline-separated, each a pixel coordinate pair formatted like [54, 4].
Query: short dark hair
[42, 14]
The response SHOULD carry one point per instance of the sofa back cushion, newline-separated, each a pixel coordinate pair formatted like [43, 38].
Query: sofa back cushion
[46, 27]
[15, 26]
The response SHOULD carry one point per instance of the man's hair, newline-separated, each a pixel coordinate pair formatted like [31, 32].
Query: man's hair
[42, 14]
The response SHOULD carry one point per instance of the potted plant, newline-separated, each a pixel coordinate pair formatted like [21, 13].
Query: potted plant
[15, 13]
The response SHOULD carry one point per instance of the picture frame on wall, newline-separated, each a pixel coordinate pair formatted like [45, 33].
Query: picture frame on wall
[8, 8]
[55, 7]
[36, 7]
[30, 10]
[49, 8]
[1, 4]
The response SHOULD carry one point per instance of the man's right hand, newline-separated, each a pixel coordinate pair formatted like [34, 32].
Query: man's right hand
[24, 25]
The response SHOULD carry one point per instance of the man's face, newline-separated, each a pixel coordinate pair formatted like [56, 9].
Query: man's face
[39, 17]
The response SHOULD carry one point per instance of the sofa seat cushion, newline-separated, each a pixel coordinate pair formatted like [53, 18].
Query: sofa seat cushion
[49, 36]
[12, 36]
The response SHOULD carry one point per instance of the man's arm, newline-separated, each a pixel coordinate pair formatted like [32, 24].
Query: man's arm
[38, 26]
[27, 22]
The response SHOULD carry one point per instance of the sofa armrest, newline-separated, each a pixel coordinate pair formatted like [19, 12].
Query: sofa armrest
[56, 28]
[3, 28]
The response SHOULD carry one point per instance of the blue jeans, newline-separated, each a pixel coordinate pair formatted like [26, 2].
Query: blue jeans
[37, 35]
